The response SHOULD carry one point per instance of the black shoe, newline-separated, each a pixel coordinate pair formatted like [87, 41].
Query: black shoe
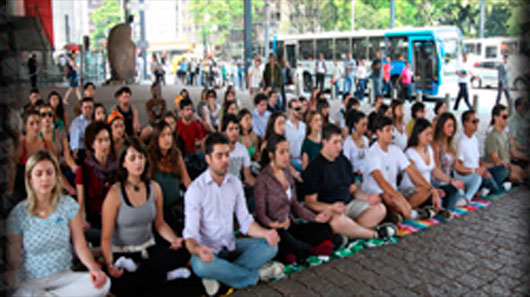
[339, 240]
[426, 212]
[385, 230]
[394, 218]
[446, 214]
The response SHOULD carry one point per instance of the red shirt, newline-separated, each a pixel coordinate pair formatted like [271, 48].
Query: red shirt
[96, 191]
[189, 133]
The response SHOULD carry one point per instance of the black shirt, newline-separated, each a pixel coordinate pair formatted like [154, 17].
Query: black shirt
[129, 129]
[330, 180]
[376, 72]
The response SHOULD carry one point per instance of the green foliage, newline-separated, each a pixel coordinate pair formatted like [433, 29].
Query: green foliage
[104, 18]
[216, 19]
[502, 16]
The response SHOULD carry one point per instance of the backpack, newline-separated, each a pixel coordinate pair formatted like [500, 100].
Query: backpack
[67, 72]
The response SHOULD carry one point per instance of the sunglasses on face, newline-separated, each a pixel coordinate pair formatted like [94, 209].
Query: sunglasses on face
[474, 121]
[297, 108]
[46, 114]
[504, 116]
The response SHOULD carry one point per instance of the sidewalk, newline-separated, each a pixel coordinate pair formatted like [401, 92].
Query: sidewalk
[482, 253]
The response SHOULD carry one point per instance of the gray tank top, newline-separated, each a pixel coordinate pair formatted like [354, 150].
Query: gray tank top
[133, 223]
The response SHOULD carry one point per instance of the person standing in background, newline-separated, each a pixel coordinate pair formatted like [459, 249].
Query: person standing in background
[320, 71]
[32, 68]
[377, 78]
[503, 82]
[349, 74]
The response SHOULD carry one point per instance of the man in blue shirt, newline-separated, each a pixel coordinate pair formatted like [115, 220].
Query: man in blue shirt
[377, 77]
[349, 74]
[77, 129]
[260, 115]
[503, 81]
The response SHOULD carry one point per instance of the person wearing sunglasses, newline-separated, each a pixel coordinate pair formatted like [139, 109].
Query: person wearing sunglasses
[295, 132]
[59, 139]
[469, 155]
[499, 147]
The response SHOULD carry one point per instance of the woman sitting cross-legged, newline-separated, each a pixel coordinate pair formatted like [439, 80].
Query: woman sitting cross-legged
[40, 232]
[420, 152]
[277, 207]
[137, 266]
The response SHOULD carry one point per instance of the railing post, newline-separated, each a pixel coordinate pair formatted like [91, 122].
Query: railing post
[475, 103]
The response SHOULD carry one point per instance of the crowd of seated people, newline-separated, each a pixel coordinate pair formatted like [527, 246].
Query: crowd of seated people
[155, 205]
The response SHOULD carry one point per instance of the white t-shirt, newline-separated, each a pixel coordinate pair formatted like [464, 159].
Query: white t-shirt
[464, 68]
[390, 163]
[295, 136]
[468, 151]
[420, 165]
[354, 154]
[239, 159]
[256, 75]
[400, 139]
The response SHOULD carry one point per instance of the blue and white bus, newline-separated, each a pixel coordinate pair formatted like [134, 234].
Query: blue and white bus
[435, 54]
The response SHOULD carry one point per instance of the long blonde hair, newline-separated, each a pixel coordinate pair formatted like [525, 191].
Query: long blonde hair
[56, 191]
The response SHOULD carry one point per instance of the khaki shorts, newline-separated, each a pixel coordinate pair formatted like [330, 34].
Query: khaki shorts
[356, 208]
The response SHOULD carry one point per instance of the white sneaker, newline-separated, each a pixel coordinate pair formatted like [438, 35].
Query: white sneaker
[211, 286]
[271, 270]
[462, 201]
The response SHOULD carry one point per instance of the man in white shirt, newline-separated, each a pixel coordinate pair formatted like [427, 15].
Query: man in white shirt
[469, 154]
[255, 76]
[382, 165]
[336, 74]
[211, 202]
[239, 157]
[320, 71]
[295, 132]
[463, 78]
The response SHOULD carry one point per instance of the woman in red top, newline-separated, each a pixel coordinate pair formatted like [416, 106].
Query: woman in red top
[277, 207]
[387, 82]
[30, 144]
[95, 177]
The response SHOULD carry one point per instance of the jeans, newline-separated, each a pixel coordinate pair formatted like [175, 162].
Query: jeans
[348, 85]
[320, 81]
[337, 89]
[450, 198]
[405, 91]
[387, 87]
[500, 90]
[361, 86]
[462, 93]
[377, 82]
[472, 184]
[498, 175]
[237, 269]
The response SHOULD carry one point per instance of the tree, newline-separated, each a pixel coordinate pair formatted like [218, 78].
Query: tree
[217, 19]
[104, 18]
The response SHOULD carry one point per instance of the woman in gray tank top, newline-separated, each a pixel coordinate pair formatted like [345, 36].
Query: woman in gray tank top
[132, 207]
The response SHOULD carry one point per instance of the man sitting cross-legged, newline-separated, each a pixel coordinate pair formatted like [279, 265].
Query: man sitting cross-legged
[328, 185]
[210, 204]
[382, 166]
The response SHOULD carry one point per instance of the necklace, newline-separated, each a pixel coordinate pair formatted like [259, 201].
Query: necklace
[136, 187]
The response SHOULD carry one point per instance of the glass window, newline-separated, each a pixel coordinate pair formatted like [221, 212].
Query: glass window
[342, 48]
[376, 43]
[305, 49]
[491, 51]
[451, 49]
[398, 48]
[359, 47]
[325, 46]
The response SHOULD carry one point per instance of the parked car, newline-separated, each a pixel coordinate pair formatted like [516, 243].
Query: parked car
[486, 75]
